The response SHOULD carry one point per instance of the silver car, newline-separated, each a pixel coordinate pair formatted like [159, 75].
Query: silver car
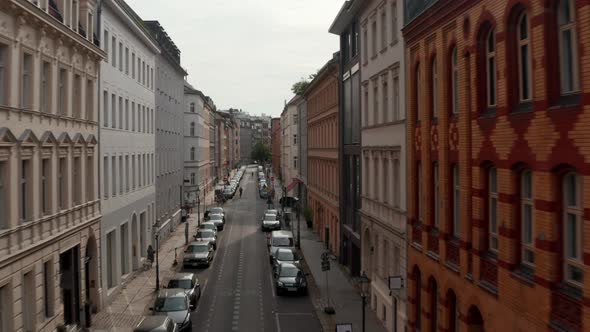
[279, 239]
[190, 283]
[286, 255]
[197, 254]
[156, 324]
[218, 220]
[270, 222]
[208, 225]
[174, 303]
[207, 235]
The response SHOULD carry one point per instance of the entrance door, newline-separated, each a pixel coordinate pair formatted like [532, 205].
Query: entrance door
[355, 267]
[70, 284]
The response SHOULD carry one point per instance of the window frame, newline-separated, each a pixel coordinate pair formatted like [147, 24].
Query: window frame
[492, 200]
[577, 211]
[527, 201]
[524, 82]
[491, 80]
[456, 177]
[436, 194]
[561, 28]
[454, 81]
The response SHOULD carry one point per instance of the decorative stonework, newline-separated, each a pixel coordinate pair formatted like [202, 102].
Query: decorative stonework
[503, 137]
[434, 138]
[453, 137]
[580, 134]
[539, 138]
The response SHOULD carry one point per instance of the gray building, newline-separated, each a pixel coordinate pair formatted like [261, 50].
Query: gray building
[302, 111]
[169, 85]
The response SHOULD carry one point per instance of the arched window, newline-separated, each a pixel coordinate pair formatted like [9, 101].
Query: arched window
[572, 240]
[193, 153]
[419, 191]
[524, 59]
[192, 130]
[434, 92]
[417, 298]
[453, 307]
[526, 215]
[454, 81]
[492, 209]
[433, 305]
[568, 46]
[192, 107]
[490, 52]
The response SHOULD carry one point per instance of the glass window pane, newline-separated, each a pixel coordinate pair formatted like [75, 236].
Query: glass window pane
[523, 28]
[527, 184]
[567, 66]
[529, 256]
[575, 273]
[527, 224]
[570, 190]
[524, 54]
[564, 12]
[491, 42]
[494, 215]
[571, 240]
[492, 81]
[493, 184]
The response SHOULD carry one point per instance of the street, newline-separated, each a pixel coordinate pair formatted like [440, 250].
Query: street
[237, 289]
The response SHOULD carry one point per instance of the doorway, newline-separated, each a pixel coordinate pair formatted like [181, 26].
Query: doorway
[70, 284]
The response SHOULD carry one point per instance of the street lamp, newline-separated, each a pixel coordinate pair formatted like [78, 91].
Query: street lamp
[198, 206]
[363, 282]
[157, 261]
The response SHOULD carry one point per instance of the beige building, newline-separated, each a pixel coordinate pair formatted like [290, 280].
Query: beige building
[383, 137]
[289, 144]
[49, 202]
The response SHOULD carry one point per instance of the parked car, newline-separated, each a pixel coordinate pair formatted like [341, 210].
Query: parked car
[218, 220]
[207, 235]
[190, 283]
[273, 211]
[270, 222]
[217, 210]
[198, 253]
[174, 303]
[208, 225]
[279, 239]
[156, 324]
[286, 255]
[290, 277]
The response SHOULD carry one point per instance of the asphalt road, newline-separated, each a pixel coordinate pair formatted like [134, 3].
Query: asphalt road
[237, 289]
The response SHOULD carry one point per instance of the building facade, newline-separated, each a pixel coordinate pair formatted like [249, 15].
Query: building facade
[221, 145]
[383, 137]
[276, 134]
[127, 142]
[290, 146]
[346, 25]
[323, 180]
[302, 146]
[497, 165]
[210, 109]
[49, 199]
[169, 87]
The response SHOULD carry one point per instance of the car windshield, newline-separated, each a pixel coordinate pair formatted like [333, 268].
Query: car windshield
[204, 234]
[282, 242]
[289, 271]
[215, 217]
[197, 249]
[207, 226]
[270, 217]
[286, 255]
[180, 283]
[216, 210]
[166, 304]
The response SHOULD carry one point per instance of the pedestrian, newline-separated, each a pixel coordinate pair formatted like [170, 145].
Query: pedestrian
[150, 255]
[240, 192]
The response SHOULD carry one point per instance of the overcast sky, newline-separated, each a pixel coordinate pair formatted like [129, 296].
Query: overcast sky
[247, 53]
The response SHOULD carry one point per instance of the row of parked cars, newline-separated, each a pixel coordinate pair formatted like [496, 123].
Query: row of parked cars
[230, 189]
[174, 303]
[288, 274]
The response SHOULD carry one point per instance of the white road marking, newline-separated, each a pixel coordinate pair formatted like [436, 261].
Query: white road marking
[277, 321]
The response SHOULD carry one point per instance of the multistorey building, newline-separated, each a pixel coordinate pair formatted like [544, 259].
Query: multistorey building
[323, 181]
[222, 144]
[275, 148]
[383, 212]
[289, 141]
[197, 162]
[498, 165]
[127, 142]
[346, 25]
[302, 151]
[169, 83]
[49, 203]
[234, 142]
[209, 109]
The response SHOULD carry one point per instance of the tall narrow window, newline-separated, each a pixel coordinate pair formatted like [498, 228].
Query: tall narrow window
[295, 162]
[127, 60]
[383, 29]
[114, 54]
[45, 186]
[433, 306]
[375, 102]
[120, 112]
[455, 81]
[126, 114]
[434, 86]
[120, 175]
[132, 65]
[419, 191]
[133, 172]
[44, 103]
[492, 209]
[105, 43]
[192, 107]
[105, 109]
[132, 116]
[48, 289]
[114, 176]
[77, 111]
[436, 198]
[365, 47]
[526, 206]
[394, 22]
[62, 178]
[138, 69]
[192, 156]
[105, 177]
[113, 111]
[89, 179]
[524, 61]
[26, 81]
[25, 188]
[385, 95]
[456, 202]
[491, 68]
[396, 109]
[417, 85]
[568, 46]
[572, 240]
[396, 182]
[3, 195]
[120, 56]
[127, 168]
[90, 100]
[77, 176]
[374, 38]
[61, 92]
[3, 76]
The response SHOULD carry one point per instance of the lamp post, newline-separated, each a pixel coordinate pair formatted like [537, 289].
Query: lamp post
[198, 206]
[297, 210]
[157, 261]
[364, 281]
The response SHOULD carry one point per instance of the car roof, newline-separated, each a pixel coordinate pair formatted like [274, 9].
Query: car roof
[290, 265]
[182, 276]
[216, 208]
[199, 243]
[151, 323]
[286, 249]
[171, 292]
[282, 234]
[207, 223]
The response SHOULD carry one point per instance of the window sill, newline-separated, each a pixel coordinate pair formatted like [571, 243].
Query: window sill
[525, 275]
[488, 287]
[523, 107]
[434, 256]
[567, 101]
[569, 291]
[394, 42]
[452, 266]
[489, 112]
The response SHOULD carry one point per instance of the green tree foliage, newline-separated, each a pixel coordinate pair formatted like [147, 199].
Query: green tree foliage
[260, 152]
[299, 87]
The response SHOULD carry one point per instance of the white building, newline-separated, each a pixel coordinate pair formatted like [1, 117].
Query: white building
[49, 206]
[290, 144]
[383, 141]
[127, 142]
[169, 84]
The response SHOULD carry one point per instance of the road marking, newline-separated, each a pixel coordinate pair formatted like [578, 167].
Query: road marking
[277, 321]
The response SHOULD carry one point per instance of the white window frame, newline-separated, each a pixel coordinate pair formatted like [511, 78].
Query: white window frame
[574, 261]
[493, 215]
[385, 97]
[45, 88]
[491, 79]
[527, 204]
[27, 76]
[113, 110]
[571, 28]
[524, 48]
[192, 154]
[394, 31]
[383, 28]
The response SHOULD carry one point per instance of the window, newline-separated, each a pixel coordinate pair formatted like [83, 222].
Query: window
[375, 102]
[127, 169]
[572, 222]
[28, 301]
[5, 305]
[396, 182]
[105, 177]
[61, 93]
[25, 189]
[396, 107]
[193, 181]
[192, 107]
[393, 22]
[456, 203]
[132, 65]
[138, 69]
[77, 111]
[106, 45]
[113, 111]
[120, 112]
[492, 209]
[436, 198]
[295, 162]
[433, 305]
[383, 29]
[62, 178]
[294, 139]
[524, 61]
[132, 116]
[48, 289]
[295, 118]
[434, 92]
[120, 56]
[26, 82]
[192, 156]
[385, 95]
[365, 47]
[45, 186]
[89, 178]
[127, 60]
[491, 68]
[3, 196]
[374, 38]
[77, 177]
[453, 312]
[455, 82]
[89, 100]
[354, 48]
[105, 111]
[568, 48]
[366, 106]
[120, 175]
[114, 54]
[143, 72]
[45, 87]
[3, 76]
[419, 191]
[126, 114]
[114, 176]
[417, 89]
[526, 207]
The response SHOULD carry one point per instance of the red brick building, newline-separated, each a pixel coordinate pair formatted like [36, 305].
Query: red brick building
[498, 165]
[275, 139]
[322, 154]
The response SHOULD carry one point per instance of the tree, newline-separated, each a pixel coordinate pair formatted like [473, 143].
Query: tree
[260, 152]
[299, 88]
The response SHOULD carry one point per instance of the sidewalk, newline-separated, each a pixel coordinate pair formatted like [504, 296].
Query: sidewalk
[344, 296]
[137, 295]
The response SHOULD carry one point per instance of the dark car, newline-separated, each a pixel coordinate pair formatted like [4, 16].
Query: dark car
[189, 282]
[156, 324]
[285, 255]
[270, 222]
[218, 220]
[174, 303]
[290, 277]
[198, 254]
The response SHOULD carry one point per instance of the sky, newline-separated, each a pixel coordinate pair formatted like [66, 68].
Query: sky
[247, 54]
